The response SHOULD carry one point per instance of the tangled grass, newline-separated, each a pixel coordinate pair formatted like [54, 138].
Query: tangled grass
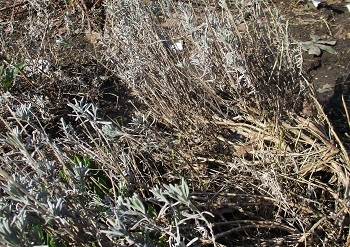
[114, 134]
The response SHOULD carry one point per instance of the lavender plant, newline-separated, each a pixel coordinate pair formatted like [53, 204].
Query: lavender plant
[170, 223]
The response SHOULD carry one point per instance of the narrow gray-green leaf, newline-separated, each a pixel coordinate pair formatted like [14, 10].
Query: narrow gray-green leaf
[315, 38]
[306, 45]
[326, 42]
[327, 48]
[315, 51]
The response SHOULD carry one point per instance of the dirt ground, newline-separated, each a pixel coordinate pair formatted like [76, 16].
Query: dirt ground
[328, 73]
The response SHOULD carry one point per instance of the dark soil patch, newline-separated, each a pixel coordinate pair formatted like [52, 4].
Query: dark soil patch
[328, 73]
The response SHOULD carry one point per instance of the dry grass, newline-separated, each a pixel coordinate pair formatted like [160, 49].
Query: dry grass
[227, 113]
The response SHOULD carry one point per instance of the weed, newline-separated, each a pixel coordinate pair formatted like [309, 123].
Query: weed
[317, 45]
[8, 74]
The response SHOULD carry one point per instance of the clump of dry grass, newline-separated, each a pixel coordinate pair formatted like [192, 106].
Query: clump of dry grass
[225, 114]
[235, 95]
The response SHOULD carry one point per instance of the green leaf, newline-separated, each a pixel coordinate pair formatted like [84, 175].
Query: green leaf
[327, 48]
[7, 80]
[19, 66]
[152, 213]
[102, 182]
[40, 231]
[77, 160]
[87, 161]
[64, 176]
[50, 241]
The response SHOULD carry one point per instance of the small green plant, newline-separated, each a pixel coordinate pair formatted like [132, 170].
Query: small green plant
[47, 238]
[8, 73]
[97, 182]
[317, 45]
